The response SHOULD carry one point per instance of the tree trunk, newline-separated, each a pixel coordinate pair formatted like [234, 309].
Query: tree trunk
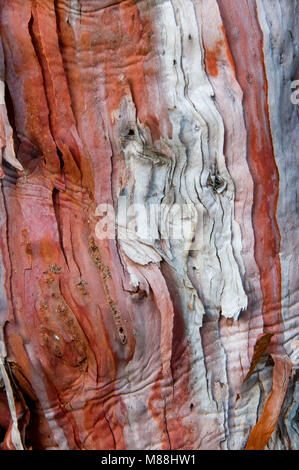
[148, 247]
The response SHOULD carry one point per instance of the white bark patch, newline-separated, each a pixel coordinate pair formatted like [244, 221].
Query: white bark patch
[188, 170]
[6, 147]
[7, 151]
[15, 433]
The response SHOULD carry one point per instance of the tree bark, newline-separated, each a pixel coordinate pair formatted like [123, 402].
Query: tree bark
[148, 247]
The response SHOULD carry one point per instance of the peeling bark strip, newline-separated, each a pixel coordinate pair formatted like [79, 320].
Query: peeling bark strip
[175, 327]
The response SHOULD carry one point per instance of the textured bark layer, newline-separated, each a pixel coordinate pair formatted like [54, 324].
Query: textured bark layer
[148, 341]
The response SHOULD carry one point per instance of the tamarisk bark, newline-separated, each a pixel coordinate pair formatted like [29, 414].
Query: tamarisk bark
[148, 341]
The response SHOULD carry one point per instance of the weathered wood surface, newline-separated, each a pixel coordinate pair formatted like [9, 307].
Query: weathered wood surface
[149, 341]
